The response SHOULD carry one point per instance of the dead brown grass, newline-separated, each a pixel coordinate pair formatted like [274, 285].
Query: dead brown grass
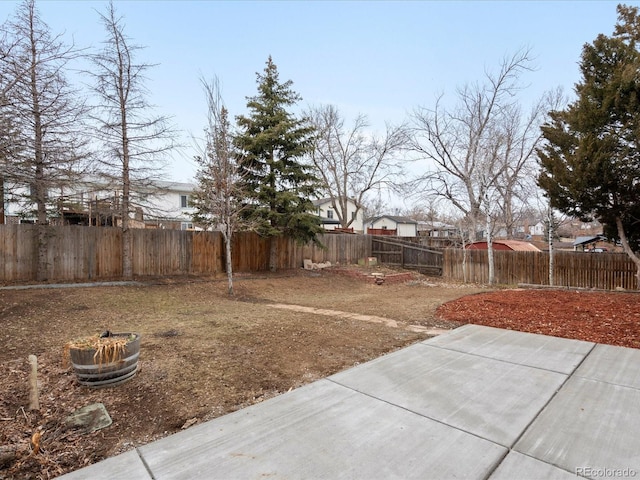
[202, 353]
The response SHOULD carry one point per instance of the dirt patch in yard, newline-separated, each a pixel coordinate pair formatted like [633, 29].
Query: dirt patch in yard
[203, 354]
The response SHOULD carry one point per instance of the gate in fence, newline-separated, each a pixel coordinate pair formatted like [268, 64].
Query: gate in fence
[404, 254]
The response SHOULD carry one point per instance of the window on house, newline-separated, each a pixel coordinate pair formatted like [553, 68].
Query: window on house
[186, 226]
[353, 215]
[184, 201]
[329, 213]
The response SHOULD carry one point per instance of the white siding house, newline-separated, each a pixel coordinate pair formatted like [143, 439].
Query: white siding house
[169, 206]
[400, 226]
[329, 217]
[537, 229]
[93, 201]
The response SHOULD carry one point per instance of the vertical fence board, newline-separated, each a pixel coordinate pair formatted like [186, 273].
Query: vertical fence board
[19, 252]
[208, 253]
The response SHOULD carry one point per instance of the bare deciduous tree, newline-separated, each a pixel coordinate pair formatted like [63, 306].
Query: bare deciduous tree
[135, 140]
[219, 198]
[517, 173]
[351, 161]
[466, 146]
[44, 111]
[517, 183]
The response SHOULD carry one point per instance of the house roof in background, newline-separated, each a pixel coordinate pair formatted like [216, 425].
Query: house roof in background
[175, 185]
[322, 201]
[543, 245]
[585, 240]
[101, 182]
[329, 221]
[518, 245]
[515, 245]
[435, 225]
[396, 219]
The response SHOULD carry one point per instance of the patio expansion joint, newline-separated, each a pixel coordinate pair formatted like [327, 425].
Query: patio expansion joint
[510, 450]
[418, 414]
[598, 380]
[146, 465]
[543, 408]
[507, 361]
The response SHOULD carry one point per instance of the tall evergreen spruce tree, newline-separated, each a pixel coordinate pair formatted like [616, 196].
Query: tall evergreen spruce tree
[273, 142]
[591, 156]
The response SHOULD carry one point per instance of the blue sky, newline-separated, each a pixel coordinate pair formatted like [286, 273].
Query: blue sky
[378, 58]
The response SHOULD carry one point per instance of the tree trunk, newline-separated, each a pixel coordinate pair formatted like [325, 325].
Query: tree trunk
[490, 252]
[127, 260]
[41, 222]
[229, 261]
[43, 264]
[627, 248]
[127, 256]
[127, 263]
[464, 256]
[2, 212]
[551, 251]
[473, 228]
[39, 195]
[508, 216]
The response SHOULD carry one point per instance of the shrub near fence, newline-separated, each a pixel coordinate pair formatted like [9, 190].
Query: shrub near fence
[606, 271]
[80, 253]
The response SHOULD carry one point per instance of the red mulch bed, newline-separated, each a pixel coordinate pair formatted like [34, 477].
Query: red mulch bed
[611, 318]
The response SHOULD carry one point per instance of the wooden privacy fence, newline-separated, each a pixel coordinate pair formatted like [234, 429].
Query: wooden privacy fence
[80, 253]
[405, 254]
[606, 271]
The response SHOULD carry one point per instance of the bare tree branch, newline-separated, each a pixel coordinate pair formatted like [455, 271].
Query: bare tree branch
[470, 147]
[135, 141]
[220, 196]
[350, 161]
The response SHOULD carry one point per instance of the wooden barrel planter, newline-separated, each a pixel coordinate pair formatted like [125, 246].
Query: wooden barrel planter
[105, 365]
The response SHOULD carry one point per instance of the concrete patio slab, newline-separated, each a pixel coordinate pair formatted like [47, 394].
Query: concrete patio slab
[520, 467]
[322, 430]
[489, 398]
[541, 351]
[477, 403]
[127, 465]
[612, 364]
[588, 426]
